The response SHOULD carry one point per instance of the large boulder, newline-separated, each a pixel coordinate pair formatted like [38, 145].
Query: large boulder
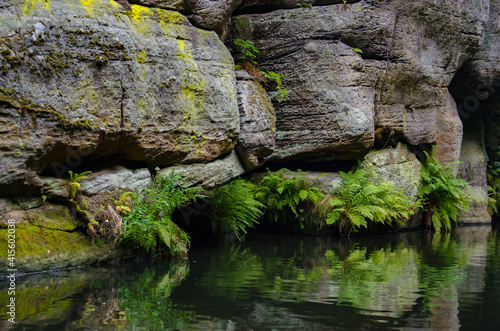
[207, 175]
[397, 165]
[351, 69]
[86, 81]
[257, 122]
[400, 166]
[117, 178]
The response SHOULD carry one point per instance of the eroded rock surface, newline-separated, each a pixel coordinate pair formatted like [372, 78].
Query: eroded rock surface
[207, 175]
[338, 95]
[257, 122]
[206, 14]
[102, 81]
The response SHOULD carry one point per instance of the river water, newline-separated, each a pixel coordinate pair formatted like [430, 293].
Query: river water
[392, 282]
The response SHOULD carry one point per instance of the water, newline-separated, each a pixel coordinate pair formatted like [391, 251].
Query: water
[394, 282]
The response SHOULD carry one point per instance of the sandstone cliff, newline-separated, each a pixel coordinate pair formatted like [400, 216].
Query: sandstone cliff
[122, 88]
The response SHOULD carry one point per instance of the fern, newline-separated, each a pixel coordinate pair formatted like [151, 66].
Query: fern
[149, 224]
[283, 195]
[493, 176]
[360, 199]
[442, 195]
[235, 208]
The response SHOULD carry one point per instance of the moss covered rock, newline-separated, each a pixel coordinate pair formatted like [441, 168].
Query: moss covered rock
[47, 239]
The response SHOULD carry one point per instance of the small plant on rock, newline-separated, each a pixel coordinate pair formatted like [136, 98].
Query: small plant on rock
[304, 5]
[249, 52]
[248, 63]
[76, 201]
[272, 76]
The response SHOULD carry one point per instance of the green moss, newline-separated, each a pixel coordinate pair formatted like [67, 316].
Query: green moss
[39, 248]
[54, 63]
[28, 106]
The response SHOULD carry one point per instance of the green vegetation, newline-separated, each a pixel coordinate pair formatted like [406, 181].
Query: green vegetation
[144, 219]
[360, 198]
[281, 195]
[304, 5]
[493, 176]
[248, 49]
[248, 62]
[357, 50]
[442, 194]
[272, 76]
[76, 201]
[235, 208]
[149, 224]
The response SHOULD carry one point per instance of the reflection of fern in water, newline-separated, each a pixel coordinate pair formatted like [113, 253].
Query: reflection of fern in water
[235, 208]
[149, 224]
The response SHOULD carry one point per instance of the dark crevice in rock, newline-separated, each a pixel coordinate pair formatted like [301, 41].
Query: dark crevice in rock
[319, 164]
[76, 229]
[271, 6]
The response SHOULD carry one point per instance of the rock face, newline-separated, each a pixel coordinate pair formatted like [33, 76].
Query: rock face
[100, 81]
[476, 86]
[257, 122]
[262, 6]
[338, 95]
[111, 86]
[206, 14]
[473, 170]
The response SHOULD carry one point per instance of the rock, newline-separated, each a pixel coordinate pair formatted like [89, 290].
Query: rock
[15, 178]
[207, 175]
[482, 71]
[473, 170]
[410, 53]
[401, 167]
[397, 165]
[213, 15]
[98, 81]
[5, 206]
[262, 6]
[449, 132]
[476, 86]
[205, 14]
[55, 188]
[46, 240]
[257, 124]
[116, 178]
[490, 109]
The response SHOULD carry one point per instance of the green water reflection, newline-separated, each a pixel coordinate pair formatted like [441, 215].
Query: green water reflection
[412, 280]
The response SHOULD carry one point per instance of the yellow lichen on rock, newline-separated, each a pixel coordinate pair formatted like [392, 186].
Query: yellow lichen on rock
[141, 56]
[31, 5]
